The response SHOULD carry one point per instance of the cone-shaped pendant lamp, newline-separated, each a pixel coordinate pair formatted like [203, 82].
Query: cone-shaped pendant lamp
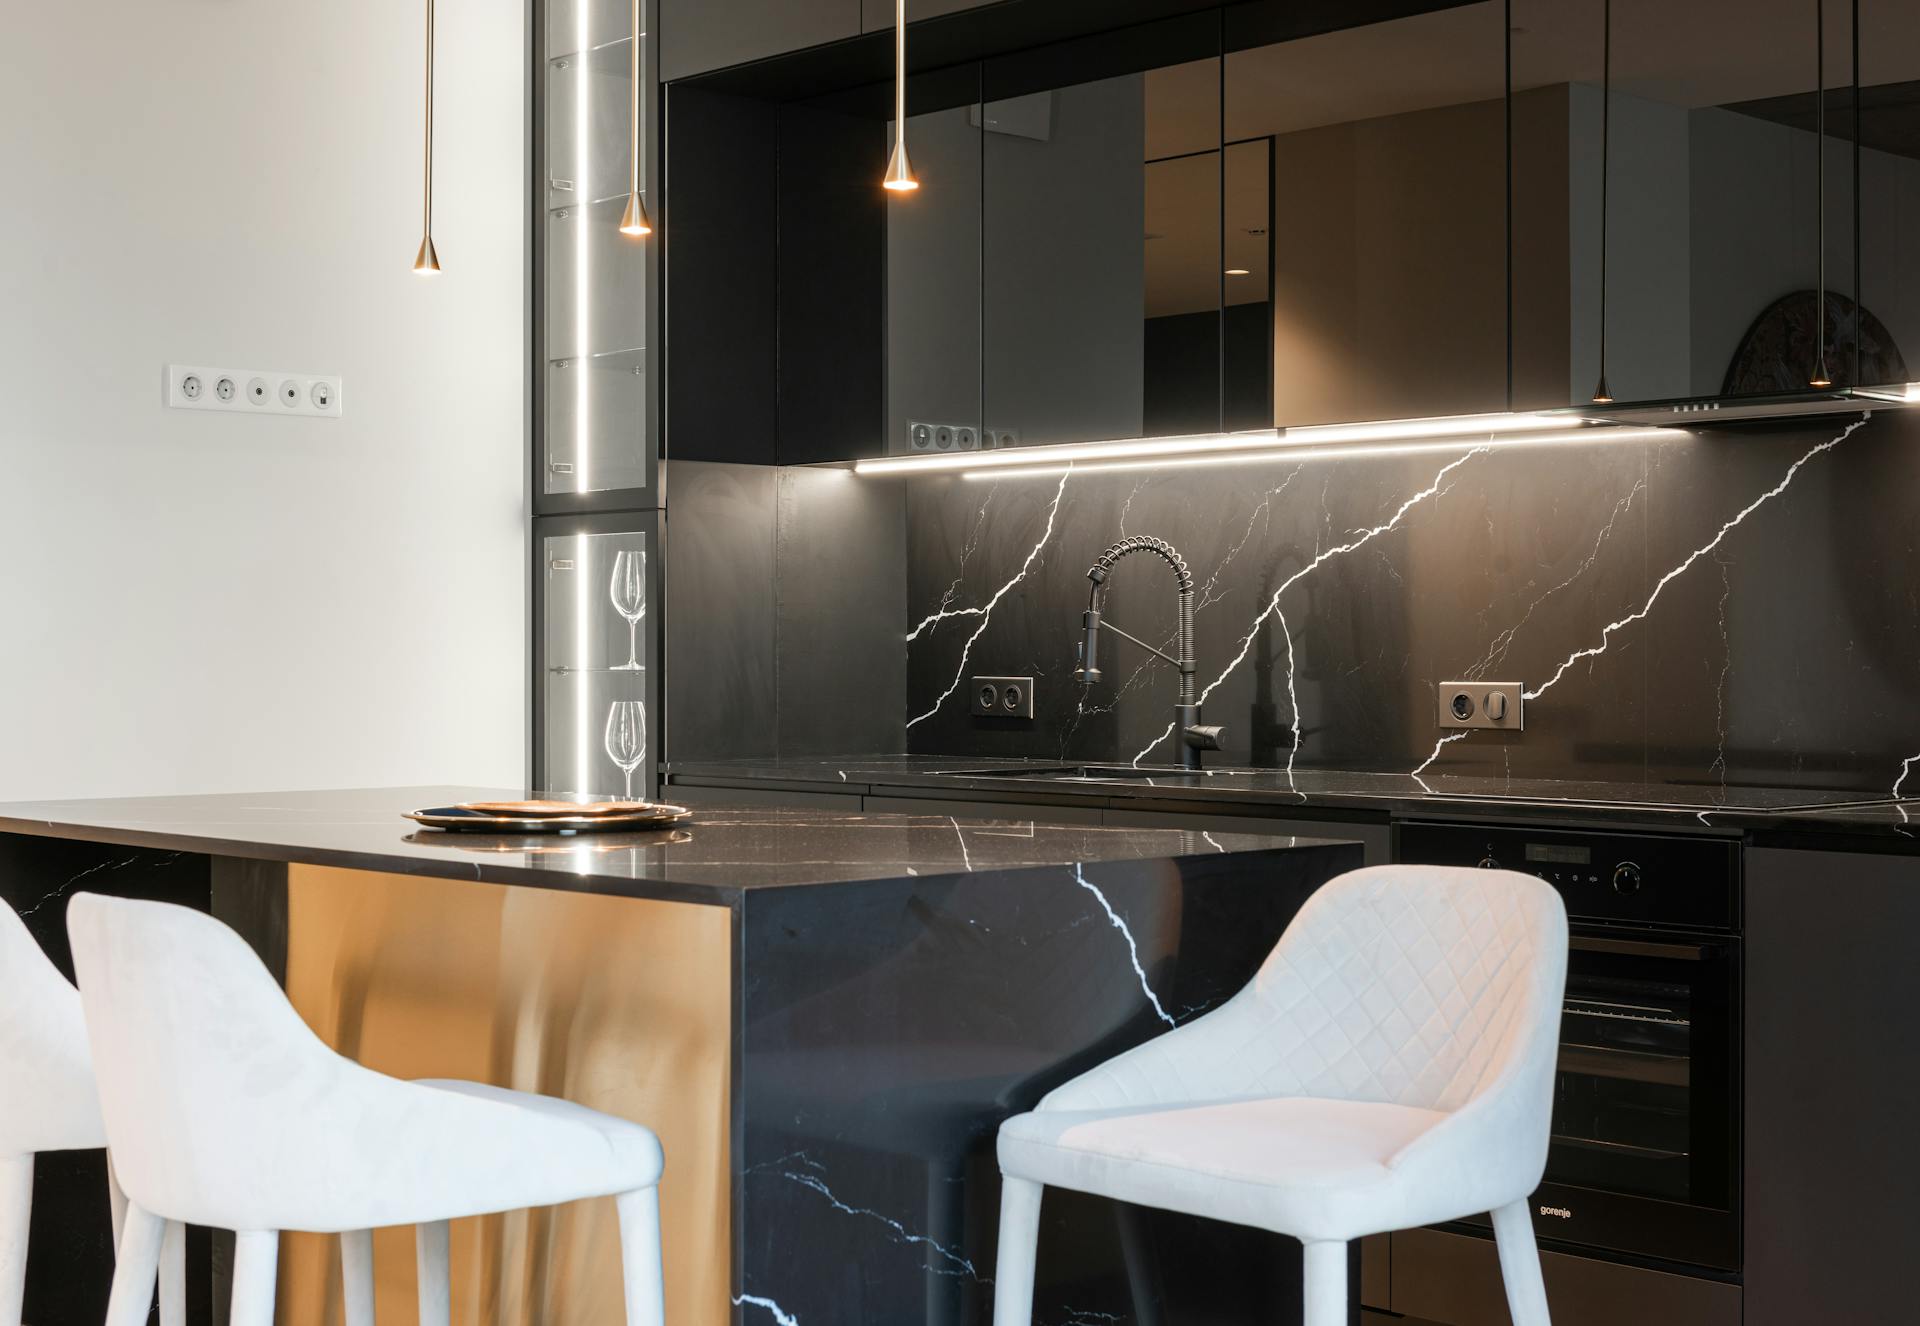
[1821, 378]
[1603, 393]
[427, 261]
[634, 221]
[899, 176]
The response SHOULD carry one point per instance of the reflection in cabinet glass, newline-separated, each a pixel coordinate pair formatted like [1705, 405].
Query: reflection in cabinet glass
[595, 332]
[596, 647]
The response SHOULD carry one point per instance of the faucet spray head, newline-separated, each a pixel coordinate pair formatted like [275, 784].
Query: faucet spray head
[1088, 670]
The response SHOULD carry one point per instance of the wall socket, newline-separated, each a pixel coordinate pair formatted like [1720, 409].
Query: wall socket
[1495, 704]
[1002, 697]
[253, 391]
[958, 437]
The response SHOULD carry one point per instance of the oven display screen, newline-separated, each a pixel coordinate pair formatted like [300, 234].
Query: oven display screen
[1559, 854]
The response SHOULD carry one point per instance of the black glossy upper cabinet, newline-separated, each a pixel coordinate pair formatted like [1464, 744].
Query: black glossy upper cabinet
[1366, 214]
[698, 36]
[1100, 237]
[1889, 101]
[1682, 215]
[877, 15]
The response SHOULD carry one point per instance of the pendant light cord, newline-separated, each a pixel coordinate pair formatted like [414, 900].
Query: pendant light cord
[900, 69]
[633, 174]
[426, 208]
[1606, 162]
[1821, 376]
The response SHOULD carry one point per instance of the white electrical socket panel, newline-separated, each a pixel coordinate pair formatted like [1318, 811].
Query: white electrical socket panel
[253, 391]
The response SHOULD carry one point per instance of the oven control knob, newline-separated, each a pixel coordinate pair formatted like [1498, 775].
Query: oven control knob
[1488, 863]
[1626, 879]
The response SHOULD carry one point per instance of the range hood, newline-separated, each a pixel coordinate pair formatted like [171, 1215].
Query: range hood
[1699, 412]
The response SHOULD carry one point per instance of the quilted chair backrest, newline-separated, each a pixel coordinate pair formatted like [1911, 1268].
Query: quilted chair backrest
[1412, 985]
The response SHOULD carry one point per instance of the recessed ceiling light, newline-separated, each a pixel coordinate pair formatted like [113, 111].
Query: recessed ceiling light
[1238, 271]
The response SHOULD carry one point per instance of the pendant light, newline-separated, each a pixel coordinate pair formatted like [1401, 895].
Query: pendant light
[1821, 379]
[899, 175]
[1602, 393]
[427, 261]
[634, 220]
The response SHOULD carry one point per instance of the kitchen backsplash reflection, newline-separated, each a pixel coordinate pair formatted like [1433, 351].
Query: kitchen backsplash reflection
[1730, 607]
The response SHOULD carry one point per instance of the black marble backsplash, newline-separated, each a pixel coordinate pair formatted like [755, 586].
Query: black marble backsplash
[1727, 607]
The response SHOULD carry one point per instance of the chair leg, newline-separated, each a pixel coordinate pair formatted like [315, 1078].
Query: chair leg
[639, 1213]
[1019, 1245]
[173, 1275]
[356, 1276]
[135, 1267]
[1520, 1264]
[256, 1268]
[436, 1288]
[116, 1201]
[1324, 1268]
[16, 1212]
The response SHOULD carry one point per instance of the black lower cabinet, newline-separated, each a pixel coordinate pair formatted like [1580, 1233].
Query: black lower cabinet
[1832, 1087]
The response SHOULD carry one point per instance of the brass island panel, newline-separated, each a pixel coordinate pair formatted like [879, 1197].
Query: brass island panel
[621, 1004]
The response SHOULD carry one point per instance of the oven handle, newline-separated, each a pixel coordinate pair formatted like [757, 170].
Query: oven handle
[1642, 948]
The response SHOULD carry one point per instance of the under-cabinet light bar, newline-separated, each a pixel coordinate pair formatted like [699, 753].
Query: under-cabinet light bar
[1200, 444]
[1325, 451]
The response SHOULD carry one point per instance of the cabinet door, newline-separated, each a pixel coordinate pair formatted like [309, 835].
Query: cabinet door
[697, 36]
[1680, 216]
[1102, 250]
[595, 727]
[1365, 218]
[1831, 1077]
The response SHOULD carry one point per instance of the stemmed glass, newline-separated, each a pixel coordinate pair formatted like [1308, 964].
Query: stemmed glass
[628, 590]
[627, 738]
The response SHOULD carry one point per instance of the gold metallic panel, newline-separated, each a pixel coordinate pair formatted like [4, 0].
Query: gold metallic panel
[621, 1004]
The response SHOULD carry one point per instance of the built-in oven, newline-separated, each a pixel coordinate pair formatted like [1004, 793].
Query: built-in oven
[1645, 1154]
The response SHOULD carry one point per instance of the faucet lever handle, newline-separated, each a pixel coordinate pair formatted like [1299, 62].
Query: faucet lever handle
[1205, 736]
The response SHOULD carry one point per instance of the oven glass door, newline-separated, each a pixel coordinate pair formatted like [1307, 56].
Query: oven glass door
[1645, 1104]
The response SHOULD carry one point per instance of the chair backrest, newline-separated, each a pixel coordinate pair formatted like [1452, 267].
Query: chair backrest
[1414, 985]
[51, 1104]
[206, 1072]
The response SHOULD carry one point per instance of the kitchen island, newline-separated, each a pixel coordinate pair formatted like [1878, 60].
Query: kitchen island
[824, 1014]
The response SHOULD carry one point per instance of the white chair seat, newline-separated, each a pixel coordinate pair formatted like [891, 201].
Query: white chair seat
[1315, 1169]
[572, 1152]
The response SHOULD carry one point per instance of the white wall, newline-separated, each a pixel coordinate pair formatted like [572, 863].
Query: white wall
[203, 602]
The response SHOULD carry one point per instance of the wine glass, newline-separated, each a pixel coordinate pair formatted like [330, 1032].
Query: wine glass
[628, 590]
[627, 738]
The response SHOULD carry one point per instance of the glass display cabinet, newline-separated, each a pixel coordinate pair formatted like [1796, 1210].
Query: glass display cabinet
[593, 447]
[595, 682]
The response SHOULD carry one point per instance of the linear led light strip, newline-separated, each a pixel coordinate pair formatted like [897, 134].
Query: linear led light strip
[1162, 449]
[1326, 451]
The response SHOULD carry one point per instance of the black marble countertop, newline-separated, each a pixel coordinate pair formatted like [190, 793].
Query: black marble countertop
[1743, 808]
[718, 856]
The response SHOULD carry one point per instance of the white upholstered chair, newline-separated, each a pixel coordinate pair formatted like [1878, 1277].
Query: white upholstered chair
[49, 1104]
[224, 1109]
[1391, 1066]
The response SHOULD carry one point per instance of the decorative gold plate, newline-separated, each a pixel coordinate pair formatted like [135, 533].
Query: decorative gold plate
[461, 819]
[522, 809]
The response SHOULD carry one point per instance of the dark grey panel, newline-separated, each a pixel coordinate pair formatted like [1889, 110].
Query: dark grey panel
[1831, 1080]
[719, 568]
[877, 15]
[842, 591]
[701, 35]
[722, 262]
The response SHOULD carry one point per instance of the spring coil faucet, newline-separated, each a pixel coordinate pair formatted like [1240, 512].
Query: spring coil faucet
[1194, 738]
